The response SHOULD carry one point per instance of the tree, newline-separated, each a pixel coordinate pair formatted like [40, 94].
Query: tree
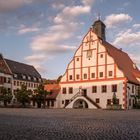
[114, 99]
[5, 95]
[59, 78]
[23, 95]
[40, 96]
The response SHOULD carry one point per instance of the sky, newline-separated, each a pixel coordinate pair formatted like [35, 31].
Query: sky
[46, 33]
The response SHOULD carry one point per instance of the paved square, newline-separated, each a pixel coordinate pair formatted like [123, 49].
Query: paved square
[68, 124]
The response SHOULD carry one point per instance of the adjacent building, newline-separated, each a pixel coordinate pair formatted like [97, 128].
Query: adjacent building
[97, 72]
[13, 74]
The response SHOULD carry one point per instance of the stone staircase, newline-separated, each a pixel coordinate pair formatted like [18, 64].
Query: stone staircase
[84, 95]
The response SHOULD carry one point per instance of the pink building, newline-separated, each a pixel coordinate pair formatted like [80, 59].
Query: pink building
[97, 71]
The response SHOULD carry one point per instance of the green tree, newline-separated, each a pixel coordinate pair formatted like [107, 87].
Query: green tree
[40, 96]
[5, 95]
[59, 78]
[23, 95]
[114, 99]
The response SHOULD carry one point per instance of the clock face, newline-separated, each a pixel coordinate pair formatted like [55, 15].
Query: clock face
[89, 54]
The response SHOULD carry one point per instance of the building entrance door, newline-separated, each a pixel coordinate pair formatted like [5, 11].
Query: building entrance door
[80, 103]
[85, 92]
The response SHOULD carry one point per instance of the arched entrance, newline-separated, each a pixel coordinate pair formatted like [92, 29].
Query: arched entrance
[80, 103]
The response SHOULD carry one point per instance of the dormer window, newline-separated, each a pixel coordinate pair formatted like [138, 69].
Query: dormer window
[23, 76]
[15, 75]
[29, 78]
[39, 79]
[34, 78]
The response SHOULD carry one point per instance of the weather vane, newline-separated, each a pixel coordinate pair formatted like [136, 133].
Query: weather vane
[98, 16]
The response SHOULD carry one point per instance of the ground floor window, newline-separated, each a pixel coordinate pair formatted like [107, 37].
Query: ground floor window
[97, 100]
[108, 101]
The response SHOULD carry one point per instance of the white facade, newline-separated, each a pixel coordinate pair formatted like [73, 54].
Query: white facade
[92, 68]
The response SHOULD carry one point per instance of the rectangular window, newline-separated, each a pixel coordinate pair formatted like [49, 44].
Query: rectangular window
[70, 90]
[17, 83]
[110, 73]
[77, 59]
[64, 90]
[104, 88]
[85, 76]
[101, 74]
[97, 100]
[5, 80]
[92, 75]
[114, 88]
[94, 89]
[14, 83]
[108, 101]
[132, 88]
[9, 80]
[62, 101]
[20, 83]
[118, 101]
[77, 76]
[101, 56]
[52, 103]
[70, 77]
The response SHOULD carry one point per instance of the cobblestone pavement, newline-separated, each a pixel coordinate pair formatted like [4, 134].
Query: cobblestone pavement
[68, 124]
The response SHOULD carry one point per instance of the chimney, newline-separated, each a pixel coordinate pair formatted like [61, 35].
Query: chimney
[99, 29]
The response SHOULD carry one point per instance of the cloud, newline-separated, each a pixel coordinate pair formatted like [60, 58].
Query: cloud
[35, 57]
[58, 6]
[8, 5]
[88, 2]
[136, 25]
[23, 29]
[114, 20]
[127, 38]
[37, 60]
[71, 12]
[55, 41]
[49, 42]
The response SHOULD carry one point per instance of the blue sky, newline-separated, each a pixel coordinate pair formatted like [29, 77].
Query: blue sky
[46, 33]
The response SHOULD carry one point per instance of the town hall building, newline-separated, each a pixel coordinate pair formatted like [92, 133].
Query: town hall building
[97, 72]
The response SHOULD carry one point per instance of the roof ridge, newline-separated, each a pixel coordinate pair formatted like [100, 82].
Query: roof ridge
[19, 62]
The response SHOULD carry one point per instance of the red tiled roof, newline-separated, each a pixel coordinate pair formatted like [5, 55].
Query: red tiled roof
[124, 63]
[54, 89]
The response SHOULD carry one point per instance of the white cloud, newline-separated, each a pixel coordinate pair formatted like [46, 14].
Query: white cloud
[35, 57]
[136, 25]
[127, 38]
[23, 29]
[58, 5]
[8, 5]
[54, 41]
[114, 20]
[71, 12]
[88, 2]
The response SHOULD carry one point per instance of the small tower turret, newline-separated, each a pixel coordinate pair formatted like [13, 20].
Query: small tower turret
[99, 29]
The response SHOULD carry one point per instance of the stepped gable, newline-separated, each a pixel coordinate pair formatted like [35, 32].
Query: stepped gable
[124, 63]
[21, 68]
